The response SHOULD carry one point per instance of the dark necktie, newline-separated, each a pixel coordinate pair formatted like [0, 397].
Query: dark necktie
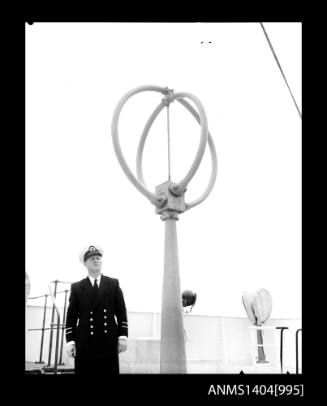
[95, 287]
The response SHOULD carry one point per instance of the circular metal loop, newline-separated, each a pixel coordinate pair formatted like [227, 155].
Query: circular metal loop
[180, 187]
[140, 149]
[214, 160]
[115, 139]
[144, 135]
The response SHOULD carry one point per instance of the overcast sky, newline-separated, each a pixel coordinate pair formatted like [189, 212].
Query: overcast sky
[245, 235]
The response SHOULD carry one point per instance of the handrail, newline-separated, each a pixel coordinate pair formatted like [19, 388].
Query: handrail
[57, 281]
[57, 293]
[52, 325]
[43, 325]
[281, 345]
[46, 328]
[37, 297]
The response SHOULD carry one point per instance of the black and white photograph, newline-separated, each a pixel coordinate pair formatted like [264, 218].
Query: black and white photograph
[163, 198]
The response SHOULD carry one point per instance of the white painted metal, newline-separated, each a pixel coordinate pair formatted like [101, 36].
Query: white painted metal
[116, 143]
[172, 346]
[169, 201]
[213, 176]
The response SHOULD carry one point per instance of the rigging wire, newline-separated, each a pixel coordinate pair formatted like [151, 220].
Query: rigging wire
[168, 135]
[281, 70]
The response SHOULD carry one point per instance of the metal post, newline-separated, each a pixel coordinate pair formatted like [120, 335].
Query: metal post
[51, 325]
[172, 351]
[55, 366]
[63, 329]
[281, 345]
[43, 328]
[169, 200]
[261, 353]
[297, 349]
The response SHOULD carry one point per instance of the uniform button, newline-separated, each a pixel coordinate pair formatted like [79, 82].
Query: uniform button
[91, 326]
[105, 331]
[91, 312]
[105, 310]
[91, 319]
[105, 324]
[91, 332]
[105, 317]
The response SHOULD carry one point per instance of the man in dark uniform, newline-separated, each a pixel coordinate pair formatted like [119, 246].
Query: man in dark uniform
[96, 324]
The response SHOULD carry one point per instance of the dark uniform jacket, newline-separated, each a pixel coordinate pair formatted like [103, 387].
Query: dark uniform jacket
[95, 323]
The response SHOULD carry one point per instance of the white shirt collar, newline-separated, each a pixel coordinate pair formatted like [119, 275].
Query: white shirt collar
[92, 279]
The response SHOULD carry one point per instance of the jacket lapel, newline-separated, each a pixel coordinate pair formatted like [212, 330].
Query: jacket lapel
[86, 285]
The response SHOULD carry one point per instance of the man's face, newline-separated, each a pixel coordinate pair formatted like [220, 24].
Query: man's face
[94, 263]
